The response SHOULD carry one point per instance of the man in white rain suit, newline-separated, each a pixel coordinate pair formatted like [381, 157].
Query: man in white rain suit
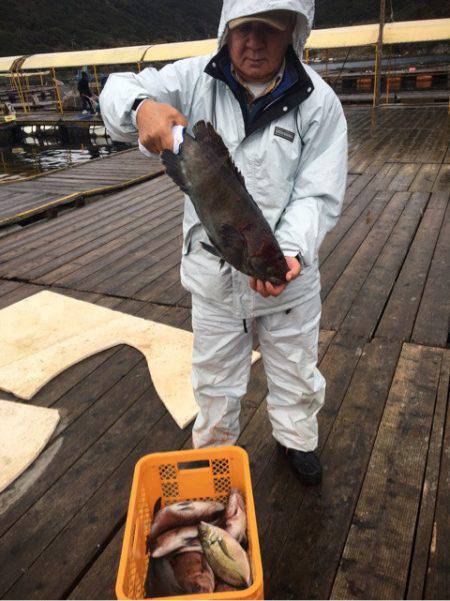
[286, 133]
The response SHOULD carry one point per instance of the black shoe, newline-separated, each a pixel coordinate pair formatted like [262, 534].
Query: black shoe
[306, 465]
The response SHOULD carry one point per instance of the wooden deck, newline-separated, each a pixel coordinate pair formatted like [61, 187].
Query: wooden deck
[48, 192]
[378, 525]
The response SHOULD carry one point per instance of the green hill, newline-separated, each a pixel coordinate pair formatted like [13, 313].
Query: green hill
[46, 25]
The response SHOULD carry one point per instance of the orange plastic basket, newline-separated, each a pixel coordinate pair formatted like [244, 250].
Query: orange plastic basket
[172, 477]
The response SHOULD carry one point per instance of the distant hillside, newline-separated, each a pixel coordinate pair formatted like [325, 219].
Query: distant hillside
[28, 26]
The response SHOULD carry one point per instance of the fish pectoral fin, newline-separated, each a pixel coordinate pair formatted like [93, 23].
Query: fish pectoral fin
[223, 546]
[230, 236]
[211, 249]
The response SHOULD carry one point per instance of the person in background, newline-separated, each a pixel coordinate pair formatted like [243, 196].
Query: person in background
[85, 93]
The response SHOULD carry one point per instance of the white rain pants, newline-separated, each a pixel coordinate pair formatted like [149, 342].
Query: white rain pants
[221, 369]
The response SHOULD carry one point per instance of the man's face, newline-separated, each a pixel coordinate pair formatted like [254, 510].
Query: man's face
[257, 50]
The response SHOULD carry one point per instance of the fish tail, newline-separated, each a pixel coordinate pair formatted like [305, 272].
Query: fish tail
[174, 167]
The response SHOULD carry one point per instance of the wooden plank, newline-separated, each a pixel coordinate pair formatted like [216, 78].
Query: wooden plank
[99, 581]
[142, 283]
[425, 178]
[423, 543]
[398, 318]
[437, 579]
[7, 286]
[432, 326]
[162, 289]
[347, 219]
[364, 313]
[442, 183]
[318, 528]
[404, 177]
[354, 189]
[340, 297]
[447, 155]
[384, 177]
[336, 262]
[377, 553]
[20, 292]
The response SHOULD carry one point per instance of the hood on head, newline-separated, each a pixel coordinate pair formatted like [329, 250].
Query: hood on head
[233, 9]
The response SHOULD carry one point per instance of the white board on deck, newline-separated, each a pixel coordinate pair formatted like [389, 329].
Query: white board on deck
[46, 333]
[24, 432]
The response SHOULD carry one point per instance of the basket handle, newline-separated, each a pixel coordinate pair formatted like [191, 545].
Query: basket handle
[193, 465]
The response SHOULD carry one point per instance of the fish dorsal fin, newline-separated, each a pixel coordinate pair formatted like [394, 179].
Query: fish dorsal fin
[207, 135]
[223, 546]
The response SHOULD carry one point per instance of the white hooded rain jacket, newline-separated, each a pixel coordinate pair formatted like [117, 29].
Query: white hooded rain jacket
[298, 184]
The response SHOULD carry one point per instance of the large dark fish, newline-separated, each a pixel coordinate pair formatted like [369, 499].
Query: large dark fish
[237, 229]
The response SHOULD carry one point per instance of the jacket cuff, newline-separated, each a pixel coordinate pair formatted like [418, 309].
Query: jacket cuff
[135, 108]
[296, 252]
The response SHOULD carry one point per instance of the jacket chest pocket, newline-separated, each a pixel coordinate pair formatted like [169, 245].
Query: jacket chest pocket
[275, 161]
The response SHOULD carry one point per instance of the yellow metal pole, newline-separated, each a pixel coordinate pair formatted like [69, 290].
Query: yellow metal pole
[21, 94]
[42, 79]
[96, 81]
[58, 96]
[379, 54]
[388, 79]
[138, 67]
[28, 93]
[307, 56]
[375, 79]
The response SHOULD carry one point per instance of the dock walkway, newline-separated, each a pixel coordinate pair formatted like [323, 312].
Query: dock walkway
[378, 525]
[54, 117]
[46, 193]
